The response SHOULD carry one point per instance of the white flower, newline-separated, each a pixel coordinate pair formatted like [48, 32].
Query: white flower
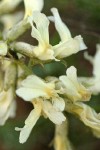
[44, 50]
[73, 89]
[46, 102]
[3, 48]
[41, 107]
[35, 87]
[68, 45]
[86, 114]
[32, 5]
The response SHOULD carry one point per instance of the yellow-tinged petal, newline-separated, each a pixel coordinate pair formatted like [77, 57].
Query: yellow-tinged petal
[40, 32]
[61, 141]
[69, 47]
[60, 26]
[58, 103]
[74, 90]
[86, 114]
[28, 94]
[34, 87]
[52, 113]
[34, 81]
[44, 50]
[32, 5]
[29, 123]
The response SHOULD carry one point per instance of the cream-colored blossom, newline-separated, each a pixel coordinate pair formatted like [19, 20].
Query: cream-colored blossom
[3, 48]
[73, 89]
[32, 5]
[41, 107]
[37, 88]
[86, 114]
[68, 45]
[45, 100]
[61, 141]
[44, 50]
[7, 87]
[40, 31]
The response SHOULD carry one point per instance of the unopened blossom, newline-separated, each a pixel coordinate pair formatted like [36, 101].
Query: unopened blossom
[7, 93]
[32, 5]
[3, 48]
[86, 114]
[72, 88]
[23, 48]
[61, 141]
[45, 100]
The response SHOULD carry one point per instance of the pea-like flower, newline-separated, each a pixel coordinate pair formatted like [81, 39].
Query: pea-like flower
[72, 88]
[45, 100]
[44, 50]
[67, 45]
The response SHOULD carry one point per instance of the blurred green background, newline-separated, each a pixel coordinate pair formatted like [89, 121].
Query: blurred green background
[82, 17]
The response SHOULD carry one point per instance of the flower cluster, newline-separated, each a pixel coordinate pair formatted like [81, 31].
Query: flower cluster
[51, 96]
